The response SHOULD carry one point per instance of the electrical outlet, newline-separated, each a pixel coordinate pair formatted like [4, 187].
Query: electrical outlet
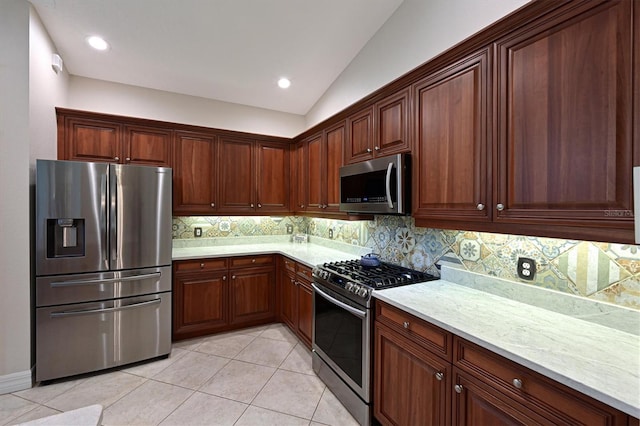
[526, 268]
[331, 233]
[289, 229]
[197, 232]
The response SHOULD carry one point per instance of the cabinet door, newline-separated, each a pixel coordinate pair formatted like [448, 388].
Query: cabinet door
[92, 140]
[300, 177]
[360, 138]
[199, 303]
[194, 174]
[411, 386]
[252, 295]
[565, 105]
[334, 160]
[236, 176]
[147, 146]
[289, 299]
[475, 403]
[451, 179]
[305, 311]
[315, 169]
[392, 124]
[272, 173]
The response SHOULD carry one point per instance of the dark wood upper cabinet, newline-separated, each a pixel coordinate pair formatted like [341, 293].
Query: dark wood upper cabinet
[147, 146]
[195, 173]
[273, 190]
[315, 172]
[334, 149]
[451, 178]
[299, 177]
[392, 133]
[564, 143]
[236, 176]
[84, 139]
[360, 136]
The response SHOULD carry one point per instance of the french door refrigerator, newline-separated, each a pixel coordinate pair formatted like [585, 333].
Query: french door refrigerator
[103, 266]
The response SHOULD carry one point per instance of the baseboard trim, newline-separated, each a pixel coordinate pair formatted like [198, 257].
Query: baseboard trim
[15, 382]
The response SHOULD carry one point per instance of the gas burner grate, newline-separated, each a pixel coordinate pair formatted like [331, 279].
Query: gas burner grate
[385, 275]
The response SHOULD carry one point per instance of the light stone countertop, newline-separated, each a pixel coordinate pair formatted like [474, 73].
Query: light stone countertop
[598, 361]
[309, 254]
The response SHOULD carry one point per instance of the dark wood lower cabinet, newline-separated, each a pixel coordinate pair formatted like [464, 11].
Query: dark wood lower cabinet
[296, 299]
[252, 295]
[213, 295]
[411, 385]
[417, 385]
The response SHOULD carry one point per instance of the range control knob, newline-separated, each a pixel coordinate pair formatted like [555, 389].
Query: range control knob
[349, 286]
[362, 291]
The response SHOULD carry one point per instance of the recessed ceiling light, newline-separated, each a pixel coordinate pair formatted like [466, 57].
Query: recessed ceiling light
[284, 83]
[97, 43]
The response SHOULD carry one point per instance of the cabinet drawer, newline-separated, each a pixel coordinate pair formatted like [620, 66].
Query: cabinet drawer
[242, 262]
[560, 403]
[213, 264]
[427, 335]
[289, 264]
[304, 271]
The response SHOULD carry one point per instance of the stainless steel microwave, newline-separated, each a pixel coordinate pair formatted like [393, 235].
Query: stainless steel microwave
[378, 186]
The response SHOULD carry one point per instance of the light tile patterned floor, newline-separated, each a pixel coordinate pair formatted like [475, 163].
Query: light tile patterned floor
[256, 376]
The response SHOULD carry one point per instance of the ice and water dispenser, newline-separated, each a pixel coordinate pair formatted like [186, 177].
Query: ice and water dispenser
[65, 237]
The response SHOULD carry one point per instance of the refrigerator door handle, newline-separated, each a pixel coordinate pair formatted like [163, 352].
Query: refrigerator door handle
[113, 216]
[104, 220]
[102, 311]
[103, 280]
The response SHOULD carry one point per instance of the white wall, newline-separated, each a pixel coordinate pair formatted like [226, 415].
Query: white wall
[46, 91]
[114, 98]
[415, 33]
[15, 318]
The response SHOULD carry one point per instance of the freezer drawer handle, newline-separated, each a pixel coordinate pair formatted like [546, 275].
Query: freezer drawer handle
[102, 311]
[105, 280]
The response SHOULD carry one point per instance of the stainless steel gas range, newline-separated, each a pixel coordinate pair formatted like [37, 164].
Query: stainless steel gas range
[343, 325]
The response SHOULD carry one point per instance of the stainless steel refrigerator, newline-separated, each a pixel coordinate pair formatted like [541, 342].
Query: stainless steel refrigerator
[103, 266]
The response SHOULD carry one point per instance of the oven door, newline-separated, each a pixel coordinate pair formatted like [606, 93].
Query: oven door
[342, 337]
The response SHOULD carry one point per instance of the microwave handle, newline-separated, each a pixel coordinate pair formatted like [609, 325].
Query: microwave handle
[389, 169]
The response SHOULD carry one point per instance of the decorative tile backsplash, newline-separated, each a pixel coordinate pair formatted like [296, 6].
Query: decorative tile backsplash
[602, 271]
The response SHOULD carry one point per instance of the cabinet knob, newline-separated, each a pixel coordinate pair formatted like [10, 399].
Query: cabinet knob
[251, 205]
[213, 204]
[480, 206]
[369, 150]
[201, 265]
[116, 158]
[127, 159]
[458, 388]
[517, 383]
[439, 376]
[253, 261]
[233, 277]
[224, 278]
[377, 148]
[406, 324]
[302, 206]
[500, 207]
[259, 205]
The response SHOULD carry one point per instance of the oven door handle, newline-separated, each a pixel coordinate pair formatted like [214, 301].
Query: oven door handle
[354, 311]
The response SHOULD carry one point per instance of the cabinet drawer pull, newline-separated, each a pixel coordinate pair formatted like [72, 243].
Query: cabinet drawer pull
[500, 207]
[116, 158]
[458, 388]
[406, 324]
[302, 206]
[517, 383]
[253, 261]
[251, 205]
[213, 204]
[224, 278]
[377, 148]
[369, 150]
[201, 265]
[259, 205]
[439, 376]
[480, 206]
[128, 159]
[233, 277]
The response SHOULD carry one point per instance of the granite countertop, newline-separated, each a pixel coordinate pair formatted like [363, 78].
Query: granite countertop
[599, 361]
